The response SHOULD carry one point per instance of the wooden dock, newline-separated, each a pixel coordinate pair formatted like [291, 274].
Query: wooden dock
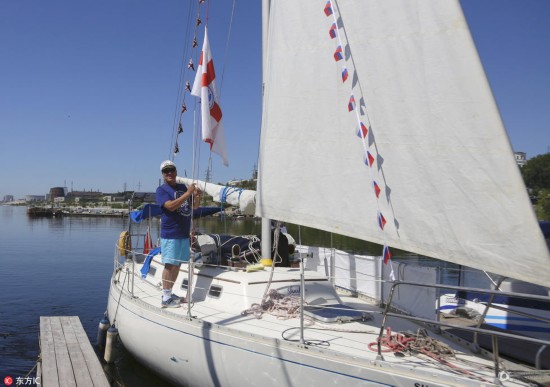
[67, 357]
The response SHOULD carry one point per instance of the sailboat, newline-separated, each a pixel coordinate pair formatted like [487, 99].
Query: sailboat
[378, 123]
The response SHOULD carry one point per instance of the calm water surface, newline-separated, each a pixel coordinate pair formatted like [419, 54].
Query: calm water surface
[55, 267]
[62, 267]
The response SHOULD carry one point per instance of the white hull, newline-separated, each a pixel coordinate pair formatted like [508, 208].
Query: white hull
[221, 346]
[208, 355]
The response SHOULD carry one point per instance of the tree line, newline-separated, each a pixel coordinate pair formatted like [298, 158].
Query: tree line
[536, 175]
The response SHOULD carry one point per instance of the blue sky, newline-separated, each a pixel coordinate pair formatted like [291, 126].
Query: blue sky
[90, 90]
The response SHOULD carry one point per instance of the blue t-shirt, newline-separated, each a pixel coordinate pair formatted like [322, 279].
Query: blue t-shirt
[174, 224]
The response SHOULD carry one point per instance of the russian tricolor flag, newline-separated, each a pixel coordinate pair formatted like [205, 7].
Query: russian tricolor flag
[351, 103]
[362, 131]
[338, 54]
[328, 8]
[381, 220]
[344, 74]
[332, 31]
[369, 159]
[376, 188]
[386, 253]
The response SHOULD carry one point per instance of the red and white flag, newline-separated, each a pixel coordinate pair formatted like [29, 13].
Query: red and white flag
[211, 113]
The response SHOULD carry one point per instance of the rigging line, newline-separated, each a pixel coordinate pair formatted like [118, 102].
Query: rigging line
[120, 296]
[226, 48]
[33, 368]
[181, 90]
[491, 279]
[191, 30]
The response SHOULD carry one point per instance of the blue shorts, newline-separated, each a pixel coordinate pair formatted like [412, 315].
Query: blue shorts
[175, 251]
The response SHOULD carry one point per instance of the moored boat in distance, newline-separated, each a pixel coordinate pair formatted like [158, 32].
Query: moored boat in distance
[44, 212]
[96, 212]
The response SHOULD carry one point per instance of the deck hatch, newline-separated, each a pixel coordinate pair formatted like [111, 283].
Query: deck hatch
[215, 291]
[335, 313]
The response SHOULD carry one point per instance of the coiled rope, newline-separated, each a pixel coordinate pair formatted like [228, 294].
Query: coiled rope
[419, 342]
[276, 304]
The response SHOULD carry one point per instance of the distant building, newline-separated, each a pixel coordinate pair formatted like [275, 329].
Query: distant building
[521, 158]
[8, 198]
[35, 198]
[57, 192]
[85, 195]
[114, 198]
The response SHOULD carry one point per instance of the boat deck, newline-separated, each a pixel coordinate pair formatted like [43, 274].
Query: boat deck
[354, 342]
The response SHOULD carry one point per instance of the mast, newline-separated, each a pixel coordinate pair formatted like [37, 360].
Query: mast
[266, 222]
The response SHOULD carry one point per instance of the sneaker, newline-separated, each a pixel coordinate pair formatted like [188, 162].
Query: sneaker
[170, 303]
[178, 299]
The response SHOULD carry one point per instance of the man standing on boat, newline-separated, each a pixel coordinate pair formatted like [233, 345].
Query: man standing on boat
[176, 201]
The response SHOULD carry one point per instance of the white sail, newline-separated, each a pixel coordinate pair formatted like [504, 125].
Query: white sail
[450, 187]
[244, 199]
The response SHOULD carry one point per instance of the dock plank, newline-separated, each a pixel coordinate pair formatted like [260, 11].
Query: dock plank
[68, 358]
[81, 373]
[49, 375]
[63, 361]
[94, 366]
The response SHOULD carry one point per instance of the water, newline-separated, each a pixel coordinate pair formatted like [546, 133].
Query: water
[55, 267]
[62, 267]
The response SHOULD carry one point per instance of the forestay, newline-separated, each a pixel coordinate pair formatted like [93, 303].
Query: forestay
[449, 185]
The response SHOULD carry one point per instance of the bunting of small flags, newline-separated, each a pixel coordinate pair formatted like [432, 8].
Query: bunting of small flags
[332, 31]
[351, 103]
[344, 74]
[338, 54]
[386, 253]
[381, 221]
[362, 130]
[369, 159]
[376, 188]
[328, 8]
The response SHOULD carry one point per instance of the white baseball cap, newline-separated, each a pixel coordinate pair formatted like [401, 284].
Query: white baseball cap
[167, 164]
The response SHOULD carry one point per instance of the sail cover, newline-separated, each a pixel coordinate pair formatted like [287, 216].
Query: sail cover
[379, 123]
[243, 199]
